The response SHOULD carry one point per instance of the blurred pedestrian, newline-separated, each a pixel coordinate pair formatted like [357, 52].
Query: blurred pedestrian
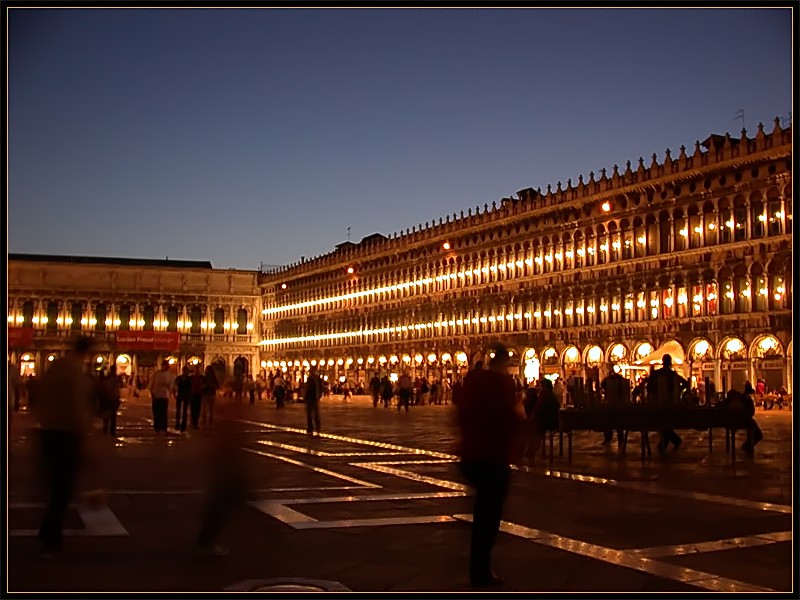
[311, 396]
[208, 398]
[64, 414]
[489, 418]
[161, 385]
[196, 395]
[183, 397]
[110, 386]
[228, 486]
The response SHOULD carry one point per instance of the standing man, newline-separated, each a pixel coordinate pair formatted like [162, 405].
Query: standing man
[312, 395]
[64, 413]
[617, 391]
[375, 389]
[161, 385]
[667, 387]
[405, 387]
[489, 419]
[183, 398]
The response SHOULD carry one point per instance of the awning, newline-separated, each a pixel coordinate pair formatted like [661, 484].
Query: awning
[672, 348]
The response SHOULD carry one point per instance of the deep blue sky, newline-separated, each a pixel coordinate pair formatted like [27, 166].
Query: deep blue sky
[249, 135]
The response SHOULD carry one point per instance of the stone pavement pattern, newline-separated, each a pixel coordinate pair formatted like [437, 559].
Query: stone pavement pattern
[376, 503]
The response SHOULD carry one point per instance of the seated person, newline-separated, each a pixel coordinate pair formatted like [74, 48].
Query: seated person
[735, 400]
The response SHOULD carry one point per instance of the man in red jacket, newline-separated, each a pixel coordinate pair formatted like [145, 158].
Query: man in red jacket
[489, 417]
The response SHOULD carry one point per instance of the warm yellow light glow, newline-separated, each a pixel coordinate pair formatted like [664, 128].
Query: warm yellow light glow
[768, 343]
[762, 218]
[698, 229]
[730, 224]
[393, 358]
[712, 226]
[605, 206]
[682, 299]
[84, 321]
[701, 348]
[26, 357]
[461, 357]
[51, 358]
[382, 360]
[99, 359]
[530, 353]
[668, 302]
[351, 270]
[684, 232]
[734, 345]
[644, 349]
[571, 354]
[618, 351]
[446, 245]
[641, 239]
[594, 354]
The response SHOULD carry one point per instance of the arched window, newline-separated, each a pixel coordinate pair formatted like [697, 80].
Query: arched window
[195, 318]
[100, 315]
[172, 318]
[241, 321]
[740, 219]
[219, 320]
[76, 314]
[27, 313]
[774, 213]
[52, 316]
[681, 230]
[758, 219]
[148, 315]
[124, 313]
[726, 223]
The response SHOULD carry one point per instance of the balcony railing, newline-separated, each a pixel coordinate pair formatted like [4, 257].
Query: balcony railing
[64, 334]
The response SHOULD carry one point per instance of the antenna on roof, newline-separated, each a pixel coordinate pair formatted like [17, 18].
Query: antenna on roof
[740, 115]
[348, 234]
[786, 120]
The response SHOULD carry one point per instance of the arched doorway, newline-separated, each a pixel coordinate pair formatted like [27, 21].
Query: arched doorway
[530, 365]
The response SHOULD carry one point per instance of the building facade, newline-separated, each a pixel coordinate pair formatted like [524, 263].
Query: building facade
[691, 255]
[138, 311]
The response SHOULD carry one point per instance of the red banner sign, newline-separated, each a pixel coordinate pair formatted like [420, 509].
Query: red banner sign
[20, 337]
[148, 340]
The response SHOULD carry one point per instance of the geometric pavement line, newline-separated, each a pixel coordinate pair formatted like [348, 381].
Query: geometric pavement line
[360, 482]
[311, 451]
[99, 522]
[734, 543]
[628, 559]
[641, 487]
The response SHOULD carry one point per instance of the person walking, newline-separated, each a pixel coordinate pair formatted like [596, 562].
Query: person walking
[387, 391]
[279, 390]
[196, 396]
[64, 414]
[665, 387]
[311, 396]
[161, 385]
[405, 388]
[375, 389]
[489, 418]
[228, 482]
[110, 386]
[617, 394]
[183, 398]
[208, 397]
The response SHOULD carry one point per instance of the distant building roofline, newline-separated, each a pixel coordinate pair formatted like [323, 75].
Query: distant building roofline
[113, 260]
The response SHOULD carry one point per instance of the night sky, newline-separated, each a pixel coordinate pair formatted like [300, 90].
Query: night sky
[249, 136]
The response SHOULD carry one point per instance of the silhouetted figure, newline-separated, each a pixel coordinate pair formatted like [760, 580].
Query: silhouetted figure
[161, 385]
[208, 398]
[228, 485]
[617, 392]
[312, 396]
[488, 418]
[183, 398]
[665, 388]
[64, 413]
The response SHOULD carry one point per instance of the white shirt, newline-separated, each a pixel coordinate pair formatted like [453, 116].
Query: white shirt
[161, 384]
